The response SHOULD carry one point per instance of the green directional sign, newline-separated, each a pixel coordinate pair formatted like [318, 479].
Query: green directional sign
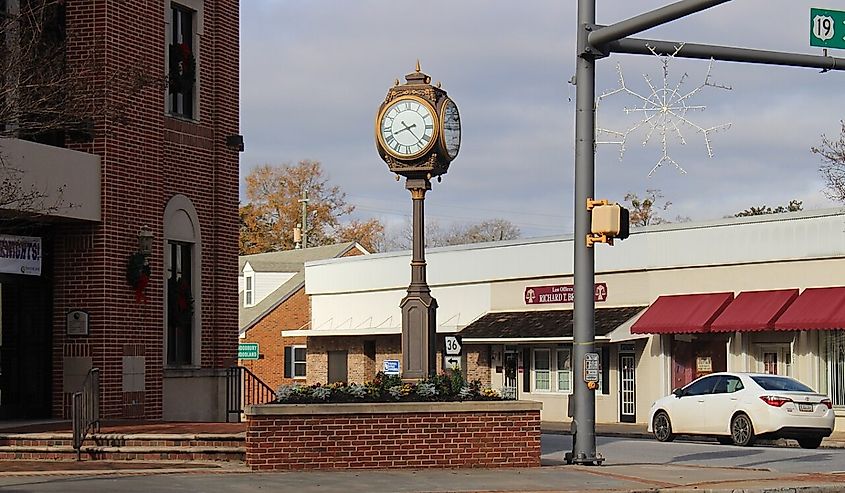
[827, 28]
[248, 350]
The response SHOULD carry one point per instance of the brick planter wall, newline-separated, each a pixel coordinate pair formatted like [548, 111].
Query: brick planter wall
[393, 435]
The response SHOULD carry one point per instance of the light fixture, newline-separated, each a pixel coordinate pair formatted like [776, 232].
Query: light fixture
[145, 241]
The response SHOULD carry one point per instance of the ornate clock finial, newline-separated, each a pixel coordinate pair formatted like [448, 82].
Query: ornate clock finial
[418, 65]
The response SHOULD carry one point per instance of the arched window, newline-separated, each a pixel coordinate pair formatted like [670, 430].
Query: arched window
[182, 272]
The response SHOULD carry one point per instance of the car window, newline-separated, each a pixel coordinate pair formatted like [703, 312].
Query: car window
[701, 387]
[785, 384]
[721, 386]
[733, 384]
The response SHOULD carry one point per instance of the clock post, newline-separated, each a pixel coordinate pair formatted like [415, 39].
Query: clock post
[418, 133]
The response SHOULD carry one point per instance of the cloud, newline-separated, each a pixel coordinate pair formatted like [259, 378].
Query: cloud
[314, 74]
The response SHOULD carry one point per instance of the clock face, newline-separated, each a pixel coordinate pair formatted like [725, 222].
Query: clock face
[407, 127]
[451, 133]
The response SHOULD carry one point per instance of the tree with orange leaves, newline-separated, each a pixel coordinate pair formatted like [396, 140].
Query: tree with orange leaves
[273, 210]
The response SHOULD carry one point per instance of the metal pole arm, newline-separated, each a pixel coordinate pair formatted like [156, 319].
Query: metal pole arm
[639, 46]
[648, 20]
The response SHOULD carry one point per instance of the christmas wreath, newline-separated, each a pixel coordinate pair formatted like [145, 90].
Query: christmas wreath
[182, 69]
[180, 302]
[138, 275]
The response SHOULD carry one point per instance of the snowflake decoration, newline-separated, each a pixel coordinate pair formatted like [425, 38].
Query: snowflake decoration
[663, 112]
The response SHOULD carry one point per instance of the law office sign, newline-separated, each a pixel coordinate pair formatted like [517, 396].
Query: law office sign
[20, 255]
[565, 293]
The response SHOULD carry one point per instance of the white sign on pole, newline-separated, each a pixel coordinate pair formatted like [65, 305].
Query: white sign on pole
[453, 345]
[592, 367]
[391, 367]
[452, 362]
[20, 255]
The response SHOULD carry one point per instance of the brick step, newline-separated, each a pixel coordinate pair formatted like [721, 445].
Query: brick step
[126, 440]
[110, 446]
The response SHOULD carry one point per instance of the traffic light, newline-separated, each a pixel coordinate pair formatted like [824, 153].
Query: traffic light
[609, 221]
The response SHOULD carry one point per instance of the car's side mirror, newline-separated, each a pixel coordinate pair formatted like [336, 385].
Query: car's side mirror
[678, 393]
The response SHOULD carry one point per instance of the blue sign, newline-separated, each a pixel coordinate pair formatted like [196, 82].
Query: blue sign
[391, 367]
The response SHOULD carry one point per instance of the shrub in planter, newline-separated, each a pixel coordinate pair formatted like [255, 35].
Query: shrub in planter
[449, 386]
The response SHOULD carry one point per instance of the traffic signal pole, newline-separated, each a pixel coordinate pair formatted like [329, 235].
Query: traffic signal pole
[595, 42]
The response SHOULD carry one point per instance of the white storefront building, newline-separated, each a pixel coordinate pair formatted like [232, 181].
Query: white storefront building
[749, 309]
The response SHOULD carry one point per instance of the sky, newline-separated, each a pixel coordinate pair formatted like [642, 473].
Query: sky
[313, 74]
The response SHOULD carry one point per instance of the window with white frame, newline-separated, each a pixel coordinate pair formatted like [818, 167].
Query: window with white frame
[249, 290]
[542, 370]
[297, 362]
[563, 369]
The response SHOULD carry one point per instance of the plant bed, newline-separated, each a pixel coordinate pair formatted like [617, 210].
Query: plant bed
[473, 434]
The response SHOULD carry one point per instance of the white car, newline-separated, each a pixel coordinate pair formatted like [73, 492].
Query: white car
[740, 407]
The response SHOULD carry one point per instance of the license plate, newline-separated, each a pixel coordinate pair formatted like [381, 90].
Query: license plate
[805, 407]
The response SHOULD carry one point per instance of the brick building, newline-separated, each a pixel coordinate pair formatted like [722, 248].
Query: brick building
[272, 298]
[168, 168]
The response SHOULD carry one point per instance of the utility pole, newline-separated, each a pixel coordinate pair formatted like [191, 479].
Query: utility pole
[304, 225]
[595, 42]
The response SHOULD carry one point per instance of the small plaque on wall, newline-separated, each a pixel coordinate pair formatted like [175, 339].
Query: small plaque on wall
[76, 323]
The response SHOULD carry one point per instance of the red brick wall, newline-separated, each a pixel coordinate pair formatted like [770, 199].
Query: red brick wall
[147, 158]
[408, 440]
[294, 313]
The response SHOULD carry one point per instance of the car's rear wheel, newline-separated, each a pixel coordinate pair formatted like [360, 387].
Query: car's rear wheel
[725, 440]
[662, 427]
[742, 431]
[810, 442]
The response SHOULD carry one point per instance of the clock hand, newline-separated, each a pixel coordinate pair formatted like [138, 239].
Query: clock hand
[409, 128]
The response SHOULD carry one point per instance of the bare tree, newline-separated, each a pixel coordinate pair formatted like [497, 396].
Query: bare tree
[458, 234]
[832, 153]
[50, 97]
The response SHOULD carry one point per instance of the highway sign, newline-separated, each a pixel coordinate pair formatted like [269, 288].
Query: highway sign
[453, 345]
[248, 350]
[452, 362]
[827, 28]
[391, 367]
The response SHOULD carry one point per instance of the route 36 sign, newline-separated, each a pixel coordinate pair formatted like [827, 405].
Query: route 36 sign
[453, 345]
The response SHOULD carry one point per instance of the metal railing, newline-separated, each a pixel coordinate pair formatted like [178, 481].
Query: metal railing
[85, 410]
[243, 388]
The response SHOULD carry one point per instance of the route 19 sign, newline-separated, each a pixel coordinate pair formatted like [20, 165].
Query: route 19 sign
[827, 28]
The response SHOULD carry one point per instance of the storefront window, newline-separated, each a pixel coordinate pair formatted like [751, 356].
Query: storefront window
[564, 370]
[835, 353]
[542, 369]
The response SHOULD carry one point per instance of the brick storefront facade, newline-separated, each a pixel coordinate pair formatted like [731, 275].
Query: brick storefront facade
[148, 158]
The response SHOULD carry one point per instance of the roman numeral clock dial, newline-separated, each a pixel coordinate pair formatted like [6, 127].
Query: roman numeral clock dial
[408, 127]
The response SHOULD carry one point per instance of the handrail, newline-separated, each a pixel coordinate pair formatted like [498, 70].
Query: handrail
[85, 410]
[244, 388]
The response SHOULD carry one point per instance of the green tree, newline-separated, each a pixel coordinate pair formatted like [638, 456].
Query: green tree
[793, 206]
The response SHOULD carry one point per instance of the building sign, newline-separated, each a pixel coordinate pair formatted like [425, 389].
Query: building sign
[565, 293]
[20, 255]
[76, 323]
[248, 350]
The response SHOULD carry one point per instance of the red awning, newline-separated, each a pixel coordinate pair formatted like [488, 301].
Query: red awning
[754, 310]
[682, 313]
[816, 308]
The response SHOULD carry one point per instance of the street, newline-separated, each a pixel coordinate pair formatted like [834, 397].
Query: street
[631, 465]
[706, 453]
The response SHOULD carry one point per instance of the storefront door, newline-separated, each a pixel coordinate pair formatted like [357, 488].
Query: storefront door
[25, 347]
[694, 356]
[509, 387]
[627, 388]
